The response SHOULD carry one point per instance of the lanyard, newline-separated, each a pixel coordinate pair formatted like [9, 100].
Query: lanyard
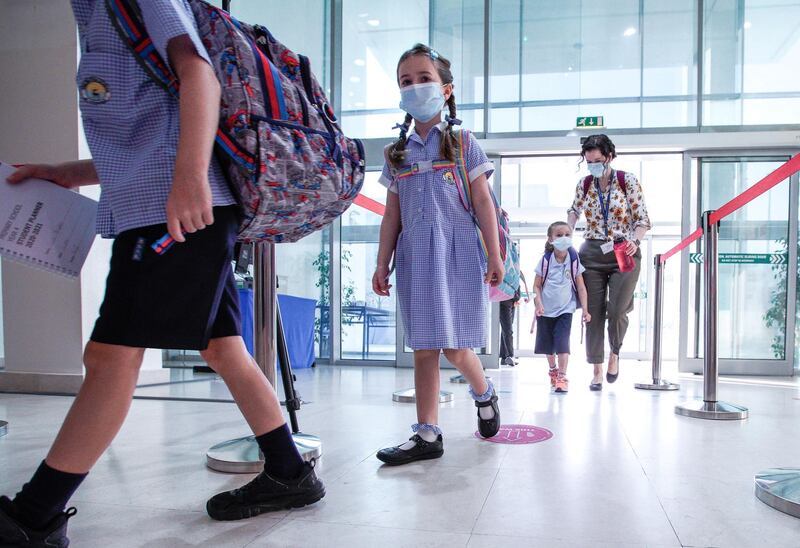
[604, 206]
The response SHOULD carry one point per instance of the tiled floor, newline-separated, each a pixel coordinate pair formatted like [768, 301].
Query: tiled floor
[621, 469]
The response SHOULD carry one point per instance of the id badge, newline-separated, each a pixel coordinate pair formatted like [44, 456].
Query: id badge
[607, 247]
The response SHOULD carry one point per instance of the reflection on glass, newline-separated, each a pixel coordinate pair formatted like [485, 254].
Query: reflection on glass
[752, 296]
[368, 321]
[2, 343]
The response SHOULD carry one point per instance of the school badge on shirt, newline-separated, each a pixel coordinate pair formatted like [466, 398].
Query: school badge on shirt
[94, 90]
[449, 178]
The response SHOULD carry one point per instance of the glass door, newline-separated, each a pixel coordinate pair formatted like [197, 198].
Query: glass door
[757, 267]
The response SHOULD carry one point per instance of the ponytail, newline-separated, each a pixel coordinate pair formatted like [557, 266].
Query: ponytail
[397, 151]
[449, 142]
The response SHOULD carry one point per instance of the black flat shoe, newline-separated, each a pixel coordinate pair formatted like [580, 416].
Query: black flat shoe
[423, 450]
[15, 534]
[596, 386]
[488, 427]
[612, 378]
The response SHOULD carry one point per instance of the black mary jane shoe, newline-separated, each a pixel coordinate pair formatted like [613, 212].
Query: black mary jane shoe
[596, 386]
[489, 427]
[422, 450]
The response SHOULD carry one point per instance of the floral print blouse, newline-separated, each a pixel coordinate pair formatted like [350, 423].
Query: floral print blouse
[624, 215]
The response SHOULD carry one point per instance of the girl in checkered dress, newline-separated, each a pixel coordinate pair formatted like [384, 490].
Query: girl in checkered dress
[442, 271]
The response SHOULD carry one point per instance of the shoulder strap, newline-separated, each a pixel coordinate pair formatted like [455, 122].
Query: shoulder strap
[587, 182]
[546, 266]
[127, 20]
[621, 181]
[574, 261]
[464, 188]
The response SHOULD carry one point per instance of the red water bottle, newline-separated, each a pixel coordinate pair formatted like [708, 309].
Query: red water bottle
[624, 261]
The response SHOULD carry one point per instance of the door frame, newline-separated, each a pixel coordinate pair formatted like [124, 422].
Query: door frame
[729, 366]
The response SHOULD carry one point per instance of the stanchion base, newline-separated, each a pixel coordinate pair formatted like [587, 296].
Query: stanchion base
[660, 385]
[461, 379]
[780, 489]
[718, 410]
[242, 455]
[409, 395]
[3, 428]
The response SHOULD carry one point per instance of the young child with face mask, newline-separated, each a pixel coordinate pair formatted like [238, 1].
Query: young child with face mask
[559, 288]
[442, 273]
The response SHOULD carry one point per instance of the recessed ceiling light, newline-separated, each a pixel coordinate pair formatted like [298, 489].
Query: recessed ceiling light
[355, 79]
[747, 24]
[363, 15]
[373, 22]
[360, 62]
[630, 31]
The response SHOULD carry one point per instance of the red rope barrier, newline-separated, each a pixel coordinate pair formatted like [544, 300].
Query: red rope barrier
[781, 174]
[784, 172]
[370, 205]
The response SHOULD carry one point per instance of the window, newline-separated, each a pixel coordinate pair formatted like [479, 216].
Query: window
[552, 62]
[367, 320]
[750, 52]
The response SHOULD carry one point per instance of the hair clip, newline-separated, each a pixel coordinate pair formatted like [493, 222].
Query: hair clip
[452, 121]
[434, 54]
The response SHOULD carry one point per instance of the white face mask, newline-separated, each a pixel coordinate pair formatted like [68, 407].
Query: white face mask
[563, 243]
[596, 168]
[422, 101]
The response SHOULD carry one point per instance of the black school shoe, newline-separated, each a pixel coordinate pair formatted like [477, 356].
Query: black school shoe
[14, 534]
[423, 450]
[267, 494]
[489, 427]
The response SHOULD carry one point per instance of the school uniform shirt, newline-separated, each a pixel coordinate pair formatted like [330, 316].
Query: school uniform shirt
[130, 121]
[439, 261]
[625, 215]
[558, 297]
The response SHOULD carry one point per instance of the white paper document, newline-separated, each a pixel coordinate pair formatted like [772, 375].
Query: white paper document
[44, 225]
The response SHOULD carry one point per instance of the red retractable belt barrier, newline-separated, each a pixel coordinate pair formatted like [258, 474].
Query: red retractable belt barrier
[781, 174]
[370, 204]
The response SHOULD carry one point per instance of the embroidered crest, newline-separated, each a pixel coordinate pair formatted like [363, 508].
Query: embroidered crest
[449, 178]
[94, 90]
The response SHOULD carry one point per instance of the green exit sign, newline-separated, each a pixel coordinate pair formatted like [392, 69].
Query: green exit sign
[589, 121]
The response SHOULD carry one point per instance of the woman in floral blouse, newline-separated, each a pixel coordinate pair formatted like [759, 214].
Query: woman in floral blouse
[613, 204]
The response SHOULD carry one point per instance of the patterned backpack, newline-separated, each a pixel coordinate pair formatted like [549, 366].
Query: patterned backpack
[278, 141]
[508, 251]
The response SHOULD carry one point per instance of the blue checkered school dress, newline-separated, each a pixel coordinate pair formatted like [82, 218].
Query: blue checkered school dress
[439, 262]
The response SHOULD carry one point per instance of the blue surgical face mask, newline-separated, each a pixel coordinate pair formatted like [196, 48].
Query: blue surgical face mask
[422, 101]
[596, 168]
[563, 243]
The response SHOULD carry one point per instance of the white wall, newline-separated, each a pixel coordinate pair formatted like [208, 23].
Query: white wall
[46, 318]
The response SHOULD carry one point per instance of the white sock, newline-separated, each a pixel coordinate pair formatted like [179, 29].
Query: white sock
[425, 433]
[486, 413]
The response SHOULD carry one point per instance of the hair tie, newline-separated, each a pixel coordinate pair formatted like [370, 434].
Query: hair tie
[452, 121]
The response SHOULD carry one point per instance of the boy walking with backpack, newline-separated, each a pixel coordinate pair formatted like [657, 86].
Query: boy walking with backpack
[152, 155]
[559, 291]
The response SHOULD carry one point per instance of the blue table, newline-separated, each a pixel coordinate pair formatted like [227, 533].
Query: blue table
[298, 326]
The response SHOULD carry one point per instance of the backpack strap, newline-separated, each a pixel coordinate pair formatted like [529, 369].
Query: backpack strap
[587, 183]
[548, 255]
[574, 262]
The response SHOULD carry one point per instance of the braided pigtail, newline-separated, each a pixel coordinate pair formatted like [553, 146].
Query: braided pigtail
[397, 152]
[449, 141]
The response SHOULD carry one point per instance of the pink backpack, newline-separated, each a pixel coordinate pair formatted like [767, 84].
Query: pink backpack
[278, 141]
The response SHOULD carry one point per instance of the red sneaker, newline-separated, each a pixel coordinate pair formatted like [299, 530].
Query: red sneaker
[553, 376]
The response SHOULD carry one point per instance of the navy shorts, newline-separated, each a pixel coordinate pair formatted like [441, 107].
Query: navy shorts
[552, 334]
[178, 300]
